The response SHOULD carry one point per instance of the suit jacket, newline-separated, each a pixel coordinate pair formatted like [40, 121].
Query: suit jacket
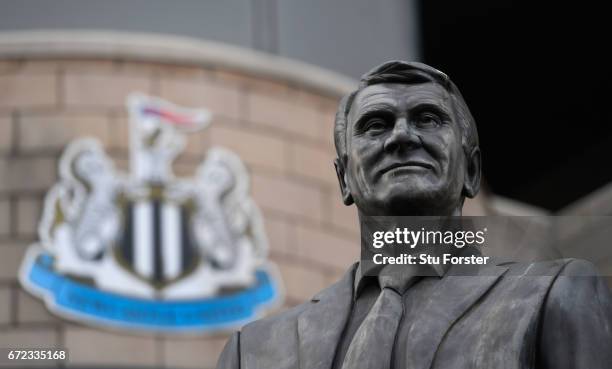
[554, 314]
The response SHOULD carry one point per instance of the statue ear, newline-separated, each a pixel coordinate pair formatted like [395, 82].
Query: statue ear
[471, 183]
[347, 198]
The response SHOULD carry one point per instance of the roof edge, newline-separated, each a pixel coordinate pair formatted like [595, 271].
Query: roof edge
[169, 49]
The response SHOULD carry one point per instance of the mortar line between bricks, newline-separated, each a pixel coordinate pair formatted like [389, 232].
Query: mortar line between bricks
[14, 304]
[305, 262]
[243, 110]
[313, 144]
[15, 126]
[61, 336]
[31, 327]
[16, 239]
[293, 178]
[10, 193]
[38, 154]
[13, 215]
[155, 83]
[308, 222]
[284, 133]
[289, 159]
[60, 81]
[44, 111]
[160, 356]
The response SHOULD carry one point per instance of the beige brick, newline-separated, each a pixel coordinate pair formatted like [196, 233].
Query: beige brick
[301, 282]
[9, 66]
[230, 76]
[121, 162]
[278, 231]
[27, 90]
[5, 305]
[102, 90]
[5, 214]
[6, 134]
[97, 347]
[196, 144]
[320, 100]
[89, 66]
[184, 168]
[256, 148]
[254, 84]
[329, 249]
[119, 131]
[327, 117]
[194, 352]
[284, 114]
[269, 87]
[28, 215]
[29, 338]
[313, 162]
[55, 131]
[37, 66]
[334, 276]
[27, 174]
[32, 310]
[282, 308]
[164, 70]
[220, 100]
[10, 261]
[290, 197]
[136, 68]
[341, 215]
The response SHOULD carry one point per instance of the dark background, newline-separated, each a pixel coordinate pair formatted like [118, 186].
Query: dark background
[536, 77]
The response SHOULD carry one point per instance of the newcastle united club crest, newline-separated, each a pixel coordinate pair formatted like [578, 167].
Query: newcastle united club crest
[146, 249]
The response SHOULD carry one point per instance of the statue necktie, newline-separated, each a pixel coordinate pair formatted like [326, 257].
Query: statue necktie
[372, 344]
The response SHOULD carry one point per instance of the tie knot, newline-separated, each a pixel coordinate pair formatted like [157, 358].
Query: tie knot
[397, 279]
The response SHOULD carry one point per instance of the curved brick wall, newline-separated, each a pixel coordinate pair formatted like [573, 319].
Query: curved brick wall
[281, 131]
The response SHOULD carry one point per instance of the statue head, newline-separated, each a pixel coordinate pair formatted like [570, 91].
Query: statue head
[406, 143]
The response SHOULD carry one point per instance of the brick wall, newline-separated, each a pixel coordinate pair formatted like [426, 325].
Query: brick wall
[282, 131]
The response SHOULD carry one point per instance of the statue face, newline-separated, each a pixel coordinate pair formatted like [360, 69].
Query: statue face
[404, 151]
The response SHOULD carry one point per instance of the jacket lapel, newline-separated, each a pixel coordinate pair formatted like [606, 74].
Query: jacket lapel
[320, 326]
[444, 303]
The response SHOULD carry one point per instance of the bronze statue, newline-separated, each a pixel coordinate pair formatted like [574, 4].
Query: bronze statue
[407, 145]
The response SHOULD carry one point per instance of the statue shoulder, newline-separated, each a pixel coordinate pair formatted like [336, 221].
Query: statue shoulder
[577, 313]
[281, 320]
[286, 320]
[578, 284]
[547, 268]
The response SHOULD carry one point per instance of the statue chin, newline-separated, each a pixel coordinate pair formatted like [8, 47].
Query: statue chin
[413, 201]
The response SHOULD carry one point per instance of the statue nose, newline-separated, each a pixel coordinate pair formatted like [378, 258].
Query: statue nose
[402, 137]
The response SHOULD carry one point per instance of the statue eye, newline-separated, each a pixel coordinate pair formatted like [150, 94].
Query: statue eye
[375, 124]
[428, 119]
